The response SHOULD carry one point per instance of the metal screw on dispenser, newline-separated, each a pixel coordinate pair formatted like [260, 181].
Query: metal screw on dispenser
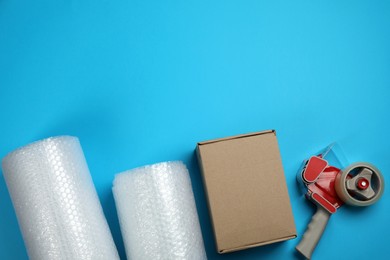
[362, 183]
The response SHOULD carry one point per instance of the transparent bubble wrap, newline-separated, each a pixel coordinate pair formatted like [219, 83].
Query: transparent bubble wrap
[56, 203]
[157, 213]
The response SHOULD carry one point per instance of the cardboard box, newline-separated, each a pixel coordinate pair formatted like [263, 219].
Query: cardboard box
[246, 190]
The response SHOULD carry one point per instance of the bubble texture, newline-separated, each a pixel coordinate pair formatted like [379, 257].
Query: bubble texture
[56, 203]
[157, 213]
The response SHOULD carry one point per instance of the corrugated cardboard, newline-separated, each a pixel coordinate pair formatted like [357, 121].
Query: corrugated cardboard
[246, 191]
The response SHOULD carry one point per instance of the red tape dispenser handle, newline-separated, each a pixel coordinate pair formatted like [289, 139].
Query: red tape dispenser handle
[313, 233]
[310, 175]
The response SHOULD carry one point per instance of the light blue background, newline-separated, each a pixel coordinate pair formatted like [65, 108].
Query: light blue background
[141, 82]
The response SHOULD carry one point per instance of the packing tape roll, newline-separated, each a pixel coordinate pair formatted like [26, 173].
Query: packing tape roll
[157, 213]
[56, 203]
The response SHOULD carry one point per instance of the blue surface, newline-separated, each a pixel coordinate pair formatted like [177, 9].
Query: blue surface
[142, 81]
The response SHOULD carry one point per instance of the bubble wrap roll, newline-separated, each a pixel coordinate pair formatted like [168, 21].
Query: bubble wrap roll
[56, 203]
[157, 213]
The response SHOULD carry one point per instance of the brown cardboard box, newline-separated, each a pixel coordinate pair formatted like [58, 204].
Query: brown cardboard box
[246, 191]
